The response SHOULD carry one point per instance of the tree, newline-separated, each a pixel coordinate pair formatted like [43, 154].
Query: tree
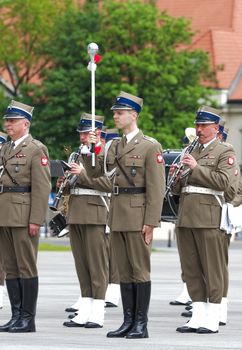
[26, 27]
[143, 52]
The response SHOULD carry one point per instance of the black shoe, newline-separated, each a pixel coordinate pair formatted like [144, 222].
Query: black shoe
[92, 325]
[109, 304]
[186, 314]
[186, 329]
[203, 330]
[14, 288]
[222, 323]
[188, 308]
[175, 302]
[138, 335]
[71, 316]
[26, 322]
[8, 325]
[71, 309]
[129, 301]
[73, 324]
[139, 329]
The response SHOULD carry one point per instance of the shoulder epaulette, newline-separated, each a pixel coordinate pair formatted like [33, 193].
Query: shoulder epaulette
[37, 143]
[151, 139]
[226, 144]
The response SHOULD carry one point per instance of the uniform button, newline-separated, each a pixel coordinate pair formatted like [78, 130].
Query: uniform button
[117, 174]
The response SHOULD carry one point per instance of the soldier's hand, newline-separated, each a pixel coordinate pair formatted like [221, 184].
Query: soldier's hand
[175, 170]
[92, 138]
[59, 181]
[148, 233]
[33, 229]
[172, 168]
[76, 168]
[190, 161]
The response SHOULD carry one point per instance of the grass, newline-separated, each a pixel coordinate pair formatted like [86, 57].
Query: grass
[61, 248]
[52, 247]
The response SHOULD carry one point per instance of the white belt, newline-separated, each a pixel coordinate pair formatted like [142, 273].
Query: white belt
[201, 190]
[87, 191]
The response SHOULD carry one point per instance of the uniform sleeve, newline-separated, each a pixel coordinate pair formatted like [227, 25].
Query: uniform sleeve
[238, 198]
[83, 179]
[230, 194]
[98, 183]
[155, 185]
[98, 169]
[102, 183]
[40, 185]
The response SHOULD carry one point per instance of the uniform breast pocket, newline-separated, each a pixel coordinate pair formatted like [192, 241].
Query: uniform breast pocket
[207, 162]
[18, 164]
[134, 162]
[135, 167]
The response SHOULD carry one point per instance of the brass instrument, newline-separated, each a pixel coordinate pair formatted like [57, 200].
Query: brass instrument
[191, 135]
[69, 178]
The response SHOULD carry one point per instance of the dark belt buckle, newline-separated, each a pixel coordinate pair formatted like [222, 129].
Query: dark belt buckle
[1, 189]
[116, 190]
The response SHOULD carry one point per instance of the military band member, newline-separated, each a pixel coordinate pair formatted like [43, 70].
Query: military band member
[87, 218]
[112, 295]
[136, 167]
[223, 315]
[3, 139]
[212, 170]
[222, 135]
[25, 187]
[113, 291]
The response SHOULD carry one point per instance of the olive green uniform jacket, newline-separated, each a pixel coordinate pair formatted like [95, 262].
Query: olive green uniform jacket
[216, 169]
[28, 164]
[142, 161]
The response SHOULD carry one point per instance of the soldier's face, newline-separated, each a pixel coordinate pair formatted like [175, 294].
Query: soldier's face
[123, 119]
[206, 132]
[16, 127]
[84, 137]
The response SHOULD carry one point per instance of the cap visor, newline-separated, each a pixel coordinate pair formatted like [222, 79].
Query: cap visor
[117, 106]
[13, 116]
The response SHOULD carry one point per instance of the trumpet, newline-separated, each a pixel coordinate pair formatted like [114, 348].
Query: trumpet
[68, 178]
[191, 135]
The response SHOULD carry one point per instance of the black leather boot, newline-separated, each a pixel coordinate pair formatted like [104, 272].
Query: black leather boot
[15, 297]
[26, 322]
[139, 330]
[128, 300]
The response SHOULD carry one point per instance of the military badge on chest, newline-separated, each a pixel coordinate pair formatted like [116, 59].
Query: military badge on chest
[133, 171]
[18, 156]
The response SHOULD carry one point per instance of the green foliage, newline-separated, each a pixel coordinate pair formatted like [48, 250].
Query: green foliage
[3, 103]
[143, 52]
[26, 27]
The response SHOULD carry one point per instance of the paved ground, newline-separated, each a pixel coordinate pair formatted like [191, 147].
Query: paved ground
[59, 289]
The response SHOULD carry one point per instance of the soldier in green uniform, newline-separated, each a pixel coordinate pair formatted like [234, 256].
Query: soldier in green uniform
[222, 135]
[87, 218]
[136, 167]
[212, 168]
[24, 192]
[3, 139]
[113, 291]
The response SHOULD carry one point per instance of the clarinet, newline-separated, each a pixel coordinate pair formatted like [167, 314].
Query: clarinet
[68, 178]
[180, 166]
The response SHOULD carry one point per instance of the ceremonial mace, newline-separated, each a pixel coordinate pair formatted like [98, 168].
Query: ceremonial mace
[92, 50]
